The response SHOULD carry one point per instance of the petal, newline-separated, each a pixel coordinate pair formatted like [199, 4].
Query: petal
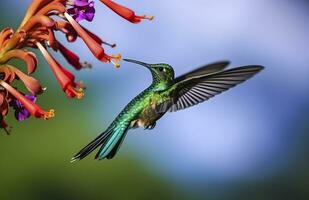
[80, 16]
[52, 39]
[96, 38]
[73, 91]
[90, 14]
[33, 108]
[71, 11]
[31, 83]
[5, 34]
[71, 57]
[39, 19]
[4, 106]
[67, 29]
[9, 75]
[91, 43]
[33, 8]
[63, 76]
[53, 6]
[31, 97]
[22, 114]
[28, 57]
[125, 12]
[81, 3]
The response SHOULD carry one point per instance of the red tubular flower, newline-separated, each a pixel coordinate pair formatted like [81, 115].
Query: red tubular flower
[71, 57]
[40, 19]
[125, 12]
[96, 49]
[30, 83]
[67, 29]
[11, 73]
[33, 108]
[64, 77]
[28, 57]
[33, 8]
[37, 30]
[98, 39]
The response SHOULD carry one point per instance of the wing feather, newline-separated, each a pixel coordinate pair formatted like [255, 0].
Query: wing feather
[196, 89]
[206, 69]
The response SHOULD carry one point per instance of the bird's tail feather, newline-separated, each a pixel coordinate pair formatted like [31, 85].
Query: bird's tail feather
[110, 141]
[92, 145]
[116, 148]
[112, 144]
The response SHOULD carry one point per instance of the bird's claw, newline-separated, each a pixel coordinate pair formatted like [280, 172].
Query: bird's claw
[151, 126]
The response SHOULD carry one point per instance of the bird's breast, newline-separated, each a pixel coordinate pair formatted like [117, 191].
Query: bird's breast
[147, 117]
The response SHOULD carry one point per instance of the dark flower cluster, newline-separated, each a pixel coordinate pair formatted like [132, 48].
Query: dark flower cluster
[37, 30]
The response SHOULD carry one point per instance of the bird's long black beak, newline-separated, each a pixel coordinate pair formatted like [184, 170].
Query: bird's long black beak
[137, 62]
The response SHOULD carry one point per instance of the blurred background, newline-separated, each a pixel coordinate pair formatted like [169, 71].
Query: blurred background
[251, 142]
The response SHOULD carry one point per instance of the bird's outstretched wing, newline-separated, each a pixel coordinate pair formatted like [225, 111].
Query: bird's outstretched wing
[203, 70]
[196, 89]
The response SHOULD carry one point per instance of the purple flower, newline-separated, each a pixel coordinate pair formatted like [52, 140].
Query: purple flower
[82, 9]
[21, 113]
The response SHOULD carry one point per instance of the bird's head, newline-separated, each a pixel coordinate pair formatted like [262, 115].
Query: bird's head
[160, 72]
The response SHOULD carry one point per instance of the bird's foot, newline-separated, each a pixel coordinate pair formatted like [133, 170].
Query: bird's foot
[151, 126]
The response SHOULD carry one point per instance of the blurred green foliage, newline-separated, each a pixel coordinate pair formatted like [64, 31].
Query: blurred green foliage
[35, 158]
[35, 163]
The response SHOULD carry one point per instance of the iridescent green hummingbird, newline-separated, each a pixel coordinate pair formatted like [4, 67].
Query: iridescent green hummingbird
[166, 93]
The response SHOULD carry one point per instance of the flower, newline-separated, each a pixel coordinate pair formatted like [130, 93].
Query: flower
[65, 78]
[21, 113]
[3, 112]
[82, 9]
[42, 20]
[29, 105]
[70, 56]
[125, 12]
[95, 47]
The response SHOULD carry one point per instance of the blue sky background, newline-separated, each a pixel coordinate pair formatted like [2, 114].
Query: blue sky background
[243, 134]
[238, 134]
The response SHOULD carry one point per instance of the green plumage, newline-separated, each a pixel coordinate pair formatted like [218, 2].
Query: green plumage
[166, 93]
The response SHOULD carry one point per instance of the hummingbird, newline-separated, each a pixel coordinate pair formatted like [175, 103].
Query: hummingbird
[166, 93]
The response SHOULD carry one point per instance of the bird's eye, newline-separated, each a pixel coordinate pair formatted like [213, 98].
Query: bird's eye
[161, 69]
